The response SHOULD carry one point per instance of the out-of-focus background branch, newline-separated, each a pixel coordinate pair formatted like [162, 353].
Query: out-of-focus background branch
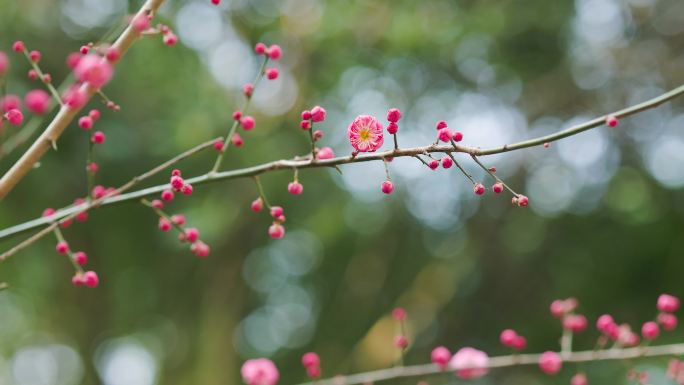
[605, 224]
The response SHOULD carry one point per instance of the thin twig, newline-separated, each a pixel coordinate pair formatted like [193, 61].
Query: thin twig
[502, 362]
[302, 163]
[70, 213]
[227, 140]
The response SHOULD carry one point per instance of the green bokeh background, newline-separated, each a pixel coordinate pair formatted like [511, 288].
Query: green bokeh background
[363, 254]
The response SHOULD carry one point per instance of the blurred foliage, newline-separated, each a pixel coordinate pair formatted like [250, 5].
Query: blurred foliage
[350, 255]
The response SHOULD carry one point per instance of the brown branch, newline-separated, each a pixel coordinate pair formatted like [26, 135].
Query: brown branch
[72, 212]
[504, 361]
[307, 162]
[65, 115]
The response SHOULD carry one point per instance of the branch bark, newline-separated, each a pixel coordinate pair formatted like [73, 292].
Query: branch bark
[65, 115]
[67, 214]
[307, 162]
[504, 361]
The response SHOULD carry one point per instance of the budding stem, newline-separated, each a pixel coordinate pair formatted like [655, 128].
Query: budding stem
[245, 107]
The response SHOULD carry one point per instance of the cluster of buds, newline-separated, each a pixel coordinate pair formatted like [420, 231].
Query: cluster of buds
[178, 221]
[400, 340]
[78, 258]
[312, 364]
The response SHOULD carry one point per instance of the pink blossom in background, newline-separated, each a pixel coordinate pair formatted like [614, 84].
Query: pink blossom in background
[94, 70]
[470, 363]
[259, 371]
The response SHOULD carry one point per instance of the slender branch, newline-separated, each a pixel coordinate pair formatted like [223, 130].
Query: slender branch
[307, 162]
[65, 115]
[70, 213]
[504, 361]
[245, 108]
[574, 130]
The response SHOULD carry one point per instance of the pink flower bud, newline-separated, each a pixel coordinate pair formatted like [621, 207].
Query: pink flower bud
[393, 115]
[440, 356]
[497, 188]
[257, 205]
[141, 22]
[260, 371]
[444, 134]
[318, 114]
[387, 187]
[167, 195]
[248, 89]
[164, 224]
[274, 52]
[94, 70]
[311, 359]
[470, 363]
[272, 73]
[325, 153]
[392, 128]
[35, 56]
[170, 39]
[62, 247]
[91, 279]
[668, 303]
[276, 231]
[400, 342]
[237, 141]
[98, 137]
[433, 164]
[441, 124]
[37, 101]
[260, 48]
[650, 330]
[295, 188]
[18, 46]
[479, 189]
[579, 379]
[247, 123]
[447, 162]
[612, 121]
[575, 323]
[85, 122]
[81, 258]
[14, 117]
[550, 363]
[667, 321]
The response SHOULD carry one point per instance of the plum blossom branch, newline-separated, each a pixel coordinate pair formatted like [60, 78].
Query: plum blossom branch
[70, 213]
[67, 113]
[505, 361]
[308, 162]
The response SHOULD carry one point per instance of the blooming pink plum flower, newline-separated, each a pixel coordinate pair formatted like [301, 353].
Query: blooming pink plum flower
[259, 371]
[94, 70]
[469, 363]
[365, 133]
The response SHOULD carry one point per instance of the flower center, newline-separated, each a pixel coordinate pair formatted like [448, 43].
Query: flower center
[364, 134]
